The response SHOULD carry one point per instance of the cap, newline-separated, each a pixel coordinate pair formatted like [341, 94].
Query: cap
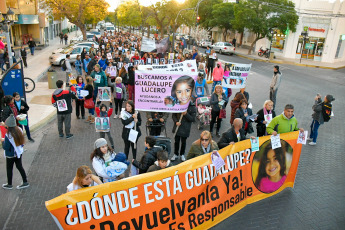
[330, 98]
[11, 121]
[99, 143]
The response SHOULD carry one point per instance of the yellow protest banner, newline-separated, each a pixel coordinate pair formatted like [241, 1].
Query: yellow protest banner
[191, 195]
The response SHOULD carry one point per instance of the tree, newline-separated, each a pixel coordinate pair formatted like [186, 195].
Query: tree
[205, 13]
[78, 12]
[223, 14]
[129, 13]
[159, 14]
[261, 17]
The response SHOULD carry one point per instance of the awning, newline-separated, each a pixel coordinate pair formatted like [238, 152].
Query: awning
[27, 19]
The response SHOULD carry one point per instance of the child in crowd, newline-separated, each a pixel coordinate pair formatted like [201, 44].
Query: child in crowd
[272, 167]
[102, 111]
[120, 95]
[23, 108]
[84, 178]
[226, 73]
[161, 163]
[79, 104]
[89, 87]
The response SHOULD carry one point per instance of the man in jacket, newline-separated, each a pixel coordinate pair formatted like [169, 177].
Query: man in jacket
[62, 100]
[155, 121]
[91, 65]
[86, 63]
[284, 123]
[275, 83]
[68, 68]
[149, 157]
[233, 135]
[23, 55]
[217, 74]
[103, 63]
[32, 45]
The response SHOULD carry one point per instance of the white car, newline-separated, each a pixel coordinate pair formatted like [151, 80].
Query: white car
[58, 58]
[224, 47]
[89, 37]
[110, 28]
[89, 44]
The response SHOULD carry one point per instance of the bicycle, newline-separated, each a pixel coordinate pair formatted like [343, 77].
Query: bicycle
[29, 85]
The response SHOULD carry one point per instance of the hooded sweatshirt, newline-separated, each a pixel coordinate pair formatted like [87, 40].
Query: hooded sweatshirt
[218, 73]
[63, 96]
[283, 124]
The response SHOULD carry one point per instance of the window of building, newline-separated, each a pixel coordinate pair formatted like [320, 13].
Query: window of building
[12, 3]
[278, 42]
[312, 48]
[341, 47]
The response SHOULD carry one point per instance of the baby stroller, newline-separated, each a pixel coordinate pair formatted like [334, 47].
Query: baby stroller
[204, 111]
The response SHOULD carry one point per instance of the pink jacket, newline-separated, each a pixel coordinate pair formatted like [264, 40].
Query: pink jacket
[218, 73]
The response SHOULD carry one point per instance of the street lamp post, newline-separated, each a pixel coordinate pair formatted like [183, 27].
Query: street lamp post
[5, 24]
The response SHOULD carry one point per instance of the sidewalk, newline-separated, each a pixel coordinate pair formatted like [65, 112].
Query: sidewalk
[241, 52]
[38, 100]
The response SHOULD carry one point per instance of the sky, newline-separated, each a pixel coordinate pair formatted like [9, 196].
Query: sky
[115, 3]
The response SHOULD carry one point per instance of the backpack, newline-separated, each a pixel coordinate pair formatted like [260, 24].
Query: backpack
[64, 67]
[326, 111]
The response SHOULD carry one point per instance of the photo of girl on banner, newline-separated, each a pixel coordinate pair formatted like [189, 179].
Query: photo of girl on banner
[169, 101]
[182, 90]
[104, 93]
[271, 167]
[102, 124]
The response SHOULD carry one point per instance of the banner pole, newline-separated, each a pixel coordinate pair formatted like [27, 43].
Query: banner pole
[178, 126]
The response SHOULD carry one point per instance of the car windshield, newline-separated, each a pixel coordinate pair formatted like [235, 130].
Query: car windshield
[89, 36]
[227, 44]
[110, 28]
[94, 32]
[67, 50]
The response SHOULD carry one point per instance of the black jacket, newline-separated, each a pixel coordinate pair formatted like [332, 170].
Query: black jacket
[23, 53]
[131, 75]
[186, 122]
[125, 131]
[6, 112]
[31, 43]
[25, 105]
[214, 102]
[239, 113]
[230, 136]
[67, 95]
[260, 127]
[148, 159]
[91, 64]
[90, 89]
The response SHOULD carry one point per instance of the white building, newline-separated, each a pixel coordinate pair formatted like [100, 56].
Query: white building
[324, 21]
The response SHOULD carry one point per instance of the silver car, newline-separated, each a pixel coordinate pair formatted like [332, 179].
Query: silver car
[58, 58]
[224, 47]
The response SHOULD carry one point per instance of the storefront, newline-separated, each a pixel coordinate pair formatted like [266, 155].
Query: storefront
[25, 28]
[278, 41]
[311, 46]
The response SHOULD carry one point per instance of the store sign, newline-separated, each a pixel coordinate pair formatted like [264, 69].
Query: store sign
[317, 29]
[309, 46]
[27, 19]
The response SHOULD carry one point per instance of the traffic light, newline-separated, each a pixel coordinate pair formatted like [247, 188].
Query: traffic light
[197, 20]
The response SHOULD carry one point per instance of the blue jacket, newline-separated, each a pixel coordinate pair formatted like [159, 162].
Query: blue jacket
[9, 149]
[78, 64]
[86, 62]
[103, 64]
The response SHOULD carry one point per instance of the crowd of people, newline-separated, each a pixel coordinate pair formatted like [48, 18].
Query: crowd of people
[114, 65]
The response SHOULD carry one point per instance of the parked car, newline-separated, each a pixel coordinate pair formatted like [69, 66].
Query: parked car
[204, 43]
[110, 28]
[89, 37]
[89, 44]
[58, 58]
[98, 34]
[224, 47]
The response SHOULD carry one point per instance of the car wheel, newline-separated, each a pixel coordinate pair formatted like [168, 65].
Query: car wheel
[220, 51]
[61, 62]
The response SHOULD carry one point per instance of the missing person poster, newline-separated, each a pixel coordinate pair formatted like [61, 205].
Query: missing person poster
[104, 93]
[185, 66]
[235, 75]
[102, 124]
[163, 91]
[191, 195]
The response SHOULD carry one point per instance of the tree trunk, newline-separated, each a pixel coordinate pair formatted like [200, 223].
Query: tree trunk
[83, 31]
[241, 39]
[253, 43]
[148, 31]
[162, 31]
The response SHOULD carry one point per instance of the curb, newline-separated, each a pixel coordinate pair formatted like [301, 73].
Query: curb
[43, 122]
[41, 75]
[287, 62]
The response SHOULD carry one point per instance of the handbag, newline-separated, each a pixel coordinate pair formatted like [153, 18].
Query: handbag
[89, 104]
[222, 114]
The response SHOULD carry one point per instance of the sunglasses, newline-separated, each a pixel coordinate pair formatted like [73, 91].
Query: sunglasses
[204, 139]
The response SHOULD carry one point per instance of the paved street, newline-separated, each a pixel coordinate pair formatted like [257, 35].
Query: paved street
[316, 202]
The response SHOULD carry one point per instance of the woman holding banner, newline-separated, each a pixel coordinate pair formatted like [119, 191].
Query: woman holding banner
[202, 146]
[218, 101]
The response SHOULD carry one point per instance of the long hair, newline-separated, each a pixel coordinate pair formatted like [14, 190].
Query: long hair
[16, 134]
[280, 155]
[82, 80]
[98, 153]
[82, 172]
[221, 91]
[184, 79]
[131, 103]
[206, 133]
[239, 96]
[89, 80]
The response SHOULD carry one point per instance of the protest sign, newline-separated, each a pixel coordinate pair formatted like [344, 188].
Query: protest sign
[185, 66]
[104, 93]
[186, 196]
[102, 124]
[163, 91]
[148, 44]
[238, 75]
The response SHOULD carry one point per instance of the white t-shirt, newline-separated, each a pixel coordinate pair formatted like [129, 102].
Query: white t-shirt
[72, 187]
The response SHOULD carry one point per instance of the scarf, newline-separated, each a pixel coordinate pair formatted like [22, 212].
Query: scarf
[14, 110]
[267, 112]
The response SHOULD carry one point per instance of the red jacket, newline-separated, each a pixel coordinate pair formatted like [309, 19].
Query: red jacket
[218, 73]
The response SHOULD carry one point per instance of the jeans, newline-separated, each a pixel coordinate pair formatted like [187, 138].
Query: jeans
[24, 61]
[314, 128]
[9, 167]
[214, 116]
[27, 129]
[177, 145]
[102, 135]
[61, 119]
[118, 105]
[131, 93]
[129, 144]
[79, 72]
[32, 50]
[273, 96]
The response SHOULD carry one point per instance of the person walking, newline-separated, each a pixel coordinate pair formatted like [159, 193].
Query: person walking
[218, 101]
[32, 45]
[89, 88]
[23, 56]
[61, 38]
[217, 74]
[68, 68]
[232, 135]
[322, 113]
[13, 146]
[65, 38]
[265, 116]
[275, 83]
[86, 62]
[78, 65]
[62, 100]
[99, 78]
[184, 125]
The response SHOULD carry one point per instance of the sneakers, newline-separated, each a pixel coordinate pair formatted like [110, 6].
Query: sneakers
[69, 136]
[60, 135]
[7, 186]
[310, 139]
[78, 117]
[174, 157]
[183, 158]
[24, 185]
[217, 134]
[83, 117]
[115, 116]
[31, 140]
[312, 143]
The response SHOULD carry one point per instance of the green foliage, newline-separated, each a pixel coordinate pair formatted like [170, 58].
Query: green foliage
[223, 14]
